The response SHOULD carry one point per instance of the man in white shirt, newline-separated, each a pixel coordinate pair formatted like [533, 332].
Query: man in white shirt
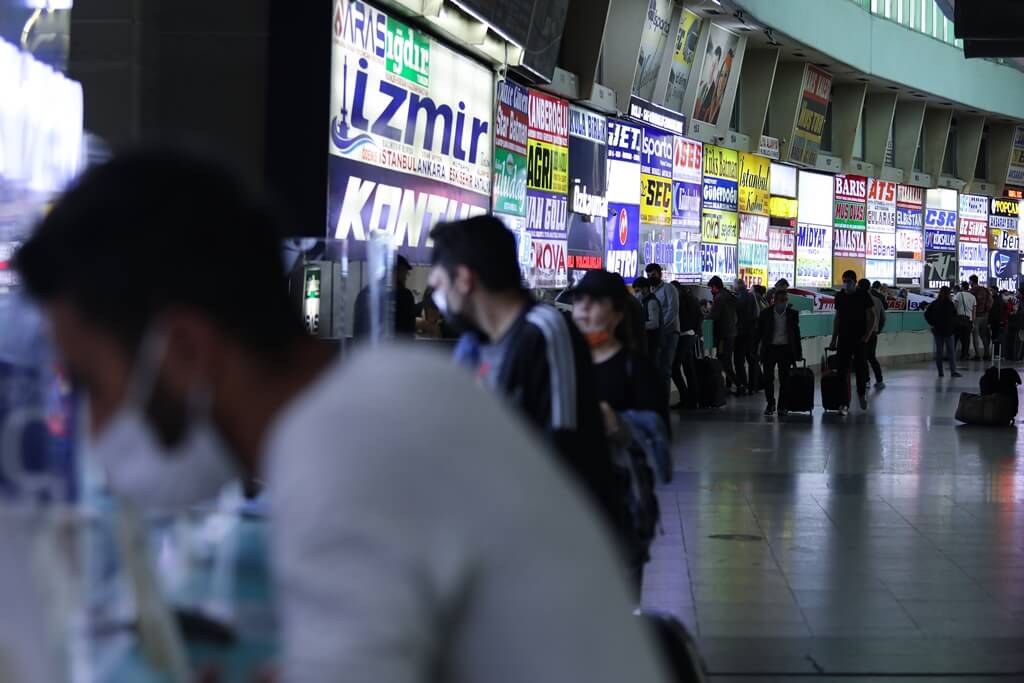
[412, 539]
[966, 307]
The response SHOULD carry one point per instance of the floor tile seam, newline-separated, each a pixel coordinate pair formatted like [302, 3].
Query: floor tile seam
[689, 575]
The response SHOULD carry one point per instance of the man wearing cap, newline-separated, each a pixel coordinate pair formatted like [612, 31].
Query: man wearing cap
[404, 302]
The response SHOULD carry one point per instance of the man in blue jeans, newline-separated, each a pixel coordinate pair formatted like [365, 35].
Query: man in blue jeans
[666, 295]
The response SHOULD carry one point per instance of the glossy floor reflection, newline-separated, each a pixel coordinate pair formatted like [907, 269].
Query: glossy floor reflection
[887, 543]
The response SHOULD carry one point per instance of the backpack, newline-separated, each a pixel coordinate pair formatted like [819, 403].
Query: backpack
[989, 383]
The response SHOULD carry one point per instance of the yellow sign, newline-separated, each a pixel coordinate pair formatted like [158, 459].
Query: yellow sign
[719, 227]
[753, 184]
[721, 162]
[547, 167]
[655, 200]
[841, 264]
[782, 207]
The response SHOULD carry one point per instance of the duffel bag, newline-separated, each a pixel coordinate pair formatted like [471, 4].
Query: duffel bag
[994, 409]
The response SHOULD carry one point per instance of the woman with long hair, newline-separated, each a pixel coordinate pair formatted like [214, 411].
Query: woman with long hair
[941, 315]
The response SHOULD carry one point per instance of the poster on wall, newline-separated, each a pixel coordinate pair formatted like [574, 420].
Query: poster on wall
[548, 144]
[1004, 269]
[687, 173]
[909, 205]
[721, 172]
[510, 140]
[879, 270]
[940, 269]
[753, 249]
[1015, 174]
[715, 74]
[909, 273]
[973, 261]
[657, 246]
[754, 195]
[622, 240]
[810, 123]
[656, 159]
[682, 59]
[718, 259]
[719, 227]
[622, 237]
[815, 205]
[783, 180]
[848, 251]
[850, 194]
[588, 176]
[1005, 240]
[401, 164]
[881, 205]
[909, 244]
[813, 256]
[688, 267]
[653, 42]
[781, 254]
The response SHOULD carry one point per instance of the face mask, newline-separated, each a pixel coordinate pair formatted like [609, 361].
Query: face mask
[140, 468]
[781, 308]
[599, 338]
[849, 286]
[458, 321]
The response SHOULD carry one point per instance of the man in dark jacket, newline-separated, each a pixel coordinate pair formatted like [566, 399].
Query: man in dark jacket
[691, 330]
[778, 336]
[723, 315]
[745, 359]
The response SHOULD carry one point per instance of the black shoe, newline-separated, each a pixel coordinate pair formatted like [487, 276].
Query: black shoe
[863, 401]
[769, 411]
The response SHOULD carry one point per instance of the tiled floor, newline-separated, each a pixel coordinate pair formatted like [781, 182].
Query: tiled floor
[886, 544]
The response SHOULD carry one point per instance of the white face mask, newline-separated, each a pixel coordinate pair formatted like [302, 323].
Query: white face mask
[140, 468]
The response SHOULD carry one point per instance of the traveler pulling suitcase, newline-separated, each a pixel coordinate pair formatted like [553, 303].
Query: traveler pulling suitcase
[800, 390]
[835, 389]
[710, 382]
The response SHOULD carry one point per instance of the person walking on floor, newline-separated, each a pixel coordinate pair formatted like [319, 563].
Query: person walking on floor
[691, 323]
[941, 315]
[852, 327]
[666, 295]
[966, 309]
[996, 320]
[878, 299]
[778, 339]
[744, 356]
[723, 316]
[981, 334]
[652, 315]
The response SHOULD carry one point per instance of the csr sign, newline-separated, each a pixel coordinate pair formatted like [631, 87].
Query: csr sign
[937, 218]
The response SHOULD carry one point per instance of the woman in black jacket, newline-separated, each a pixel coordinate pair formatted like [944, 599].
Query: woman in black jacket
[941, 315]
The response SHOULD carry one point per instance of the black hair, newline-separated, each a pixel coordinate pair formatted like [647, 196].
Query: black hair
[159, 227]
[641, 283]
[718, 50]
[652, 268]
[876, 285]
[484, 245]
[964, 285]
[864, 285]
[716, 282]
[402, 262]
[783, 282]
[850, 275]
[973, 278]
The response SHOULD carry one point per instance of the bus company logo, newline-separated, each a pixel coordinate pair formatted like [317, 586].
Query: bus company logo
[623, 226]
[1000, 263]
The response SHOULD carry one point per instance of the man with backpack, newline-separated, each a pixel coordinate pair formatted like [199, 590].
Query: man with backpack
[871, 351]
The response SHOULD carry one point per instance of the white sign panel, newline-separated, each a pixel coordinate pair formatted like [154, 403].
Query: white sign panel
[815, 195]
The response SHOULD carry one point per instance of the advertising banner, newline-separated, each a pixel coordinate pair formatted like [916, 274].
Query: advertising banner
[622, 240]
[688, 267]
[1005, 207]
[548, 144]
[719, 227]
[841, 264]
[1001, 224]
[550, 263]
[657, 246]
[718, 259]
[783, 211]
[1004, 240]
[974, 206]
[848, 243]
[653, 42]
[815, 206]
[624, 144]
[753, 228]
[909, 218]
[721, 172]
[768, 147]
[682, 59]
[909, 273]
[909, 244]
[882, 271]
[688, 160]
[783, 180]
[909, 197]
[510, 140]
[656, 167]
[813, 256]
[660, 117]
[816, 91]
[972, 230]
[881, 205]
[781, 244]
[939, 240]
[716, 72]
[973, 255]
[1015, 174]
[588, 206]
[850, 194]
[686, 205]
[753, 263]
[940, 219]
[881, 246]
[778, 270]
[547, 215]
[1004, 269]
[753, 184]
[400, 157]
[940, 269]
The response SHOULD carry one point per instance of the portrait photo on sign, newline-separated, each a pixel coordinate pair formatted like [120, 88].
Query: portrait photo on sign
[715, 71]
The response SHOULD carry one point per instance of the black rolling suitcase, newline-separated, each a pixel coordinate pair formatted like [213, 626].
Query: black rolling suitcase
[800, 390]
[835, 388]
[710, 383]
[678, 648]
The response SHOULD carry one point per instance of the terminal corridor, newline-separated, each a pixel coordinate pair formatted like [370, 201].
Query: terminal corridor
[881, 544]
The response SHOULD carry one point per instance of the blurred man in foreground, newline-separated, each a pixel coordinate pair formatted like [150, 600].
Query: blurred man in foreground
[445, 545]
